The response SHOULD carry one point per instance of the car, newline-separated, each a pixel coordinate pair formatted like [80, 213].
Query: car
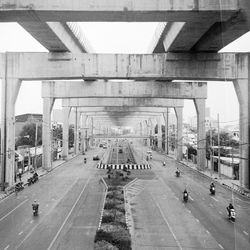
[104, 146]
[120, 150]
[100, 145]
[96, 158]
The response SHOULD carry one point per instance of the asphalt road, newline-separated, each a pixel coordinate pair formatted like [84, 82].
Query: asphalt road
[70, 197]
[163, 196]
[120, 157]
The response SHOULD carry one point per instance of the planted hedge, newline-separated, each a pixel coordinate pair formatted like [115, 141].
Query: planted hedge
[113, 233]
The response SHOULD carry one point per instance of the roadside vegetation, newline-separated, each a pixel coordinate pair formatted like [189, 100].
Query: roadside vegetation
[113, 233]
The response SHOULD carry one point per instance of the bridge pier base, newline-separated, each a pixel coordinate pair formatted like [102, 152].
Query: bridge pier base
[65, 147]
[10, 90]
[179, 116]
[201, 138]
[242, 89]
[47, 145]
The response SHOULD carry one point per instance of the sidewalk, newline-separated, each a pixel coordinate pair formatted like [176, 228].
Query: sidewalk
[40, 171]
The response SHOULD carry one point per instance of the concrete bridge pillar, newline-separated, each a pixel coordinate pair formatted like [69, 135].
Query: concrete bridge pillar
[92, 132]
[83, 134]
[47, 145]
[150, 132]
[242, 89]
[65, 148]
[165, 116]
[10, 90]
[159, 135]
[179, 117]
[201, 138]
[76, 132]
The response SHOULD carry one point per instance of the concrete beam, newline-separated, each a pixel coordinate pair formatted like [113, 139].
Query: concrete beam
[81, 89]
[169, 66]
[58, 37]
[122, 109]
[114, 11]
[120, 114]
[122, 102]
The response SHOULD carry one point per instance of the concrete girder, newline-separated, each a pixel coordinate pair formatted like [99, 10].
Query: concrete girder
[122, 109]
[113, 10]
[122, 102]
[110, 89]
[58, 37]
[167, 66]
[224, 32]
[181, 36]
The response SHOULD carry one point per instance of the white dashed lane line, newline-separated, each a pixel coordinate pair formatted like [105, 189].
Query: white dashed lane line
[221, 246]
[20, 233]
[191, 198]
[214, 199]
[6, 247]
[246, 233]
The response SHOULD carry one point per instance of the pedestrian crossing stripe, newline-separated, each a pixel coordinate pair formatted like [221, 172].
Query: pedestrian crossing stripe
[121, 166]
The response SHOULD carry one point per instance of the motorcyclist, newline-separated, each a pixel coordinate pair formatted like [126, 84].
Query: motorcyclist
[35, 207]
[229, 208]
[177, 172]
[164, 164]
[185, 194]
[212, 186]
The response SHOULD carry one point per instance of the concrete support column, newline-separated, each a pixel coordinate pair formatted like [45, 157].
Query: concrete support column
[242, 89]
[47, 146]
[159, 135]
[76, 134]
[92, 132]
[179, 117]
[165, 116]
[201, 138]
[10, 90]
[83, 134]
[150, 132]
[65, 148]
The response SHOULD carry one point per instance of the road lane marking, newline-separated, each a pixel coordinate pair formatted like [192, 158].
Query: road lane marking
[165, 219]
[31, 221]
[13, 209]
[220, 212]
[197, 220]
[214, 199]
[207, 232]
[221, 246]
[203, 199]
[20, 233]
[70, 212]
[189, 211]
[33, 229]
[191, 198]
[6, 247]
[246, 233]
[211, 205]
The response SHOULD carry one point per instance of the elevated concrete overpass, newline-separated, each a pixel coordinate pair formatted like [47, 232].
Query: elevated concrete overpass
[196, 29]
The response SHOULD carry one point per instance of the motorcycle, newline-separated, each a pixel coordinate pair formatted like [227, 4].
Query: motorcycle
[212, 190]
[164, 164]
[177, 173]
[231, 214]
[35, 209]
[19, 186]
[185, 196]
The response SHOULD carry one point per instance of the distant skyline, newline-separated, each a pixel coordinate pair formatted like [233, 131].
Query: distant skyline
[119, 38]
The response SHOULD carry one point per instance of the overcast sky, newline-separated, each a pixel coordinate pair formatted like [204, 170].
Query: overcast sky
[119, 38]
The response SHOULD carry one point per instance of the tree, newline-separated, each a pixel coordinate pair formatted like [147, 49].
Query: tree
[28, 135]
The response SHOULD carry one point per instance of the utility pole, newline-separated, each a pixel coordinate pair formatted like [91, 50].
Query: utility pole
[35, 166]
[219, 170]
[211, 149]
